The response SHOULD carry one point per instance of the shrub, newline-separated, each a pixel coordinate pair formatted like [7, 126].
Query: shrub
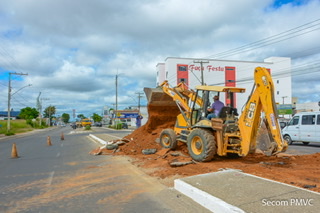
[88, 127]
[9, 133]
[119, 126]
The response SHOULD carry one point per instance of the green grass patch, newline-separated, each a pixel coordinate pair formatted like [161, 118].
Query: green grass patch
[117, 126]
[16, 126]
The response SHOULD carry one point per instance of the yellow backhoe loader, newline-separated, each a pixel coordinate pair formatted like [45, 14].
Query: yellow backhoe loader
[227, 134]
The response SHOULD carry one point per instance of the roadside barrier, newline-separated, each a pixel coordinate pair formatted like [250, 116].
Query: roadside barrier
[49, 141]
[62, 136]
[14, 152]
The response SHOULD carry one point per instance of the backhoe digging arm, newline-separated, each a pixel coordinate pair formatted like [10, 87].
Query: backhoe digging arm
[261, 100]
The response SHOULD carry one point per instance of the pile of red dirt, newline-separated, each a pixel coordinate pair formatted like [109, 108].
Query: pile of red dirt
[144, 138]
[302, 171]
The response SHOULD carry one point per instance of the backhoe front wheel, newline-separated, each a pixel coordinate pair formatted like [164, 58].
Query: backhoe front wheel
[201, 145]
[168, 139]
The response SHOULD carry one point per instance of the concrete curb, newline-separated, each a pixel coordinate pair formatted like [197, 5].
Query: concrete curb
[123, 130]
[98, 139]
[208, 201]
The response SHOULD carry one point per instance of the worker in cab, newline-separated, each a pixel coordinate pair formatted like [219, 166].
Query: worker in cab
[216, 107]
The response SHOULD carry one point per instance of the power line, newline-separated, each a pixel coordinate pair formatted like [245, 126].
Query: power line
[294, 32]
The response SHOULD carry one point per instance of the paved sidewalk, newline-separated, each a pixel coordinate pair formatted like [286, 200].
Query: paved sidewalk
[235, 191]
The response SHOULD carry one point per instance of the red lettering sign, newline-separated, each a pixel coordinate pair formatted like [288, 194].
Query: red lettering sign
[210, 68]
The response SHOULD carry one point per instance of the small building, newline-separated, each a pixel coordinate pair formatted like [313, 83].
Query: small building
[307, 107]
[13, 115]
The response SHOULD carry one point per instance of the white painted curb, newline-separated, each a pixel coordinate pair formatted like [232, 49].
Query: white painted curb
[208, 201]
[98, 139]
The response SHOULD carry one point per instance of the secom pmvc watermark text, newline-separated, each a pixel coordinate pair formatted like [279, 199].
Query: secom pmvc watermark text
[288, 202]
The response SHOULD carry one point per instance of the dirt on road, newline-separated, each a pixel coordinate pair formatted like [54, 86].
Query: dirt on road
[298, 170]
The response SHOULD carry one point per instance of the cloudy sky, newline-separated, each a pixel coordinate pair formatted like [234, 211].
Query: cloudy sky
[73, 49]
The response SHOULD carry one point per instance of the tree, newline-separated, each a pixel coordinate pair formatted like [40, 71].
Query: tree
[96, 117]
[81, 116]
[65, 117]
[49, 111]
[28, 113]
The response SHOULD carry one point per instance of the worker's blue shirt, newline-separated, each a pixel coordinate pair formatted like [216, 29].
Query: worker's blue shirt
[217, 106]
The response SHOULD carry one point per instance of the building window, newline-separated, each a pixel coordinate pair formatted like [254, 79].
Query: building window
[182, 68]
[277, 81]
[277, 92]
[182, 79]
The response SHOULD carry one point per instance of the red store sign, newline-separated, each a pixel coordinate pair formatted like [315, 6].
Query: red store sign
[210, 68]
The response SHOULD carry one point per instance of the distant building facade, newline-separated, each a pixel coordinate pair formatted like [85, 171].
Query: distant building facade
[307, 107]
[227, 73]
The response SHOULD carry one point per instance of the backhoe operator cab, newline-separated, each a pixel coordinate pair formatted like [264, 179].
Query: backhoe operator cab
[226, 134]
[207, 93]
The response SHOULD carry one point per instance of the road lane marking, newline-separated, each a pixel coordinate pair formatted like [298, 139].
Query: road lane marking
[58, 154]
[50, 178]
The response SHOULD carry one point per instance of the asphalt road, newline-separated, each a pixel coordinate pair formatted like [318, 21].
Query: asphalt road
[65, 178]
[297, 148]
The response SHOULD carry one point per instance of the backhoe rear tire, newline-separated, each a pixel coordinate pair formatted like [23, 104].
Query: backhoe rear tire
[168, 139]
[202, 145]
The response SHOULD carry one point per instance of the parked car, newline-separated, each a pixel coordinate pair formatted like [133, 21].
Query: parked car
[303, 127]
[283, 122]
[98, 124]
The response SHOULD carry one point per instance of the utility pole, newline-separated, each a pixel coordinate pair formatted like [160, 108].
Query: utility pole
[9, 98]
[39, 107]
[116, 112]
[139, 97]
[283, 97]
[201, 64]
[42, 99]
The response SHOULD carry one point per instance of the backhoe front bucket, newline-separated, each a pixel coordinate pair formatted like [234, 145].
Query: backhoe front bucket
[162, 110]
[156, 97]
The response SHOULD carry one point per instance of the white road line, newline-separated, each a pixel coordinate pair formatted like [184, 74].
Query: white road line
[58, 154]
[50, 178]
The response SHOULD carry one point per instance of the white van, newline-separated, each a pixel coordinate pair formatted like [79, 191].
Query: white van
[303, 127]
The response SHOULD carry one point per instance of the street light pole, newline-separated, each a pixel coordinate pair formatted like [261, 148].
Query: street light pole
[116, 110]
[9, 98]
[40, 116]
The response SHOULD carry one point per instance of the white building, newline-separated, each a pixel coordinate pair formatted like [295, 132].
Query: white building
[227, 73]
[308, 107]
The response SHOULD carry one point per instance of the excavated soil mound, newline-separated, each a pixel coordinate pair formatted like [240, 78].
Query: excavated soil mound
[302, 171]
[144, 138]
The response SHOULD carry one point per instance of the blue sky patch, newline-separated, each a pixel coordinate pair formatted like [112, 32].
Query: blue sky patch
[279, 3]
[13, 33]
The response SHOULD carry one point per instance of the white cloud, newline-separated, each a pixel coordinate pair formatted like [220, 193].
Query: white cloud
[72, 50]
